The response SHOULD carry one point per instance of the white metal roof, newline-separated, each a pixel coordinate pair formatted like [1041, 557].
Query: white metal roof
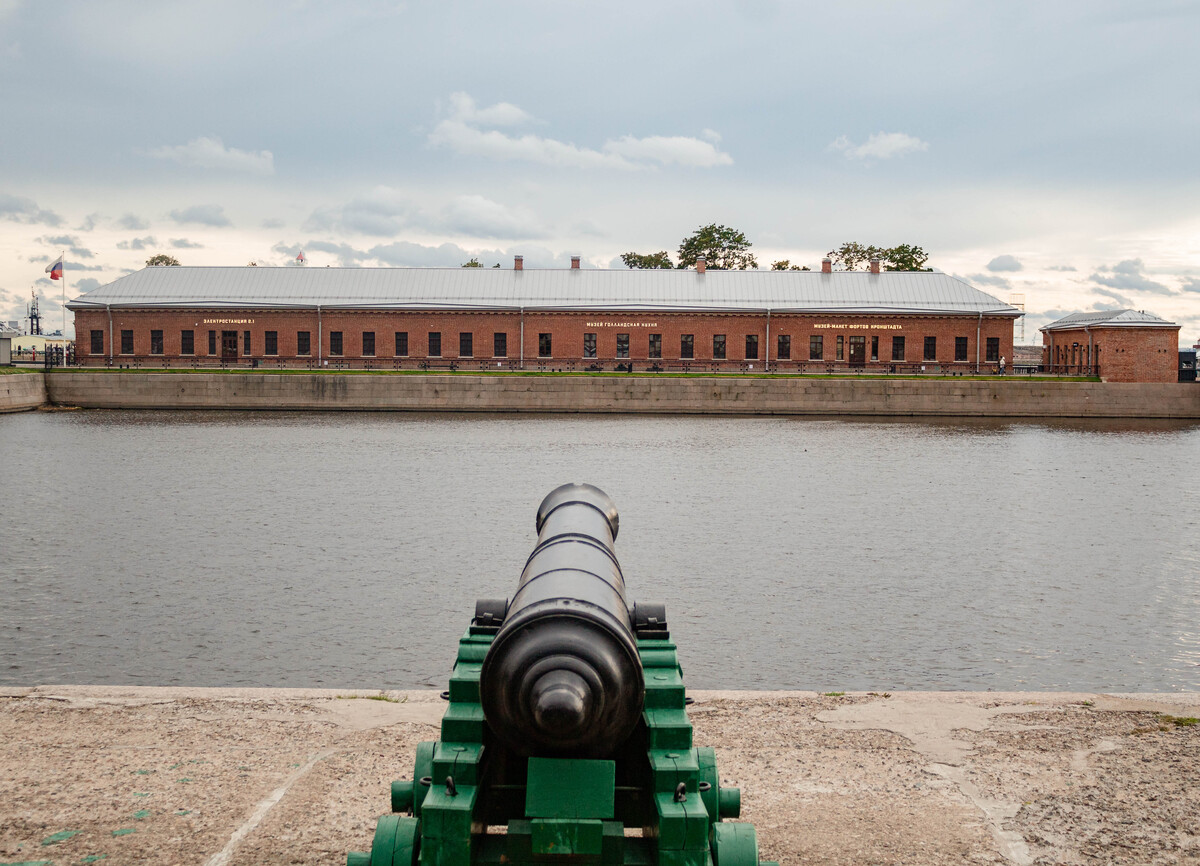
[843, 292]
[1110, 319]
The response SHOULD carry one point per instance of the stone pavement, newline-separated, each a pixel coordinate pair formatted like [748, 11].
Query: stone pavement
[273, 776]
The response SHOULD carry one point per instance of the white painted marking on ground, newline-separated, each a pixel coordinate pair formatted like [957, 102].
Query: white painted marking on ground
[260, 811]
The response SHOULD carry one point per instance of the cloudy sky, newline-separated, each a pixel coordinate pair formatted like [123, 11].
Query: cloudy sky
[1044, 148]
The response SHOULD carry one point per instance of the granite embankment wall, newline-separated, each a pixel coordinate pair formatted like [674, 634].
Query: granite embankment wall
[20, 392]
[640, 394]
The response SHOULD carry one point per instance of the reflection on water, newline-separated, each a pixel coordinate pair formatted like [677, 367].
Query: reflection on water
[346, 550]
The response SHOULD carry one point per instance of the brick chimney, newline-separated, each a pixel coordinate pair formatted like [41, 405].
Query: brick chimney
[827, 265]
[574, 263]
[701, 264]
[874, 266]
[518, 263]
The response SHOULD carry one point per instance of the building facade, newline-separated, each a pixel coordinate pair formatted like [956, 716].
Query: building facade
[564, 319]
[1117, 345]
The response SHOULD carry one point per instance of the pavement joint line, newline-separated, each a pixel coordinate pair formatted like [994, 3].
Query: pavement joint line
[262, 809]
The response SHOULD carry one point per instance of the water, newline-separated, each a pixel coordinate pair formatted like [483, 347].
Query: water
[346, 550]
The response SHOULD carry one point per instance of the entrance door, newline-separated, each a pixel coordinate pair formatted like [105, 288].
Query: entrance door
[229, 344]
[858, 351]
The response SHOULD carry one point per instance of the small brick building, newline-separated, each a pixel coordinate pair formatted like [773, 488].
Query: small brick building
[568, 319]
[1117, 345]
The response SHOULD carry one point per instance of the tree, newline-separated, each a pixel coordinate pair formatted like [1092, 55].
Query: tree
[852, 254]
[162, 260]
[786, 265]
[474, 263]
[650, 261]
[906, 258]
[723, 248]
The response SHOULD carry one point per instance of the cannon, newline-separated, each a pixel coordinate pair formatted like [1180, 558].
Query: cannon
[566, 738]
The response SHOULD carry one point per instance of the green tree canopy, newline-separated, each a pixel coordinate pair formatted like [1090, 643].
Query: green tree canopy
[162, 260]
[786, 265]
[649, 261]
[723, 248]
[906, 257]
[474, 263]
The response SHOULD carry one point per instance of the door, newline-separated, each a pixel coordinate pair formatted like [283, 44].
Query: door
[229, 344]
[858, 351]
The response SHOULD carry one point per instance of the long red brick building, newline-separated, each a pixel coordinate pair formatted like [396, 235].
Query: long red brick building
[544, 319]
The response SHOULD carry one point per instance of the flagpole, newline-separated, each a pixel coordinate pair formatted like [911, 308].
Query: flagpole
[64, 306]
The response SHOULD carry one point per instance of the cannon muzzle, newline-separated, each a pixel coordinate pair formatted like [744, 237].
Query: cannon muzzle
[563, 675]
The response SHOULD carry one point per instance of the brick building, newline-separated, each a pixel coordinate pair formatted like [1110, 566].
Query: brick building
[1118, 345]
[568, 319]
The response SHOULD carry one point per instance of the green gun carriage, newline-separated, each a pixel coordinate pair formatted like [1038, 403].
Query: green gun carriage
[566, 738]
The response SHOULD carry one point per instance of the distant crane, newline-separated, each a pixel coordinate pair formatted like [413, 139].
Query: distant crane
[32, 314]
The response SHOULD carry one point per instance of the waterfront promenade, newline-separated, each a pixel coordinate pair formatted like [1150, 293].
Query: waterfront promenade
[266, 776]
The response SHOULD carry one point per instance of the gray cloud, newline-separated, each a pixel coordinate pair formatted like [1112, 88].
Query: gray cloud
[86, 284]
[989, 280]
[1129, 276]
[1117, 300]
[89, 222]
[146, 243]
[272, 223]
[383, 212]
[132, 223]
[1191, 284]
[1061, 268]
[347, 255]
[481, 217]
[211, 152]
[410, 255]
[465, 133]
[71, 243]
[881, 145]
[1004, 263]
[19, 209]
[202, 214]
[185, 244]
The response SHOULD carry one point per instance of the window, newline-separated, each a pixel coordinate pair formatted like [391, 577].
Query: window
[655, 348]
[97, 342]
[187, 342]
[897, 348]
[126, 342]
[335, 342]
[435, 344]
[719, 347]
[271, 343]
[622, 345]
[960, 348]
[589, 345]
[402, 344]
[875, 348]
[816, 347]
[993, 349]
[368, 344]
[545, 346]
[156, 343]
[841, 347]
[466, 344]
[751, 346]
[931, 348]
[245, 342]
[783, 347]
[499, 345]
[687, 346]
[212, 342]
[303, 342]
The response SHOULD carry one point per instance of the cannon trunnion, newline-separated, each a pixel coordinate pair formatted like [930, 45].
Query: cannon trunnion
[566, 738]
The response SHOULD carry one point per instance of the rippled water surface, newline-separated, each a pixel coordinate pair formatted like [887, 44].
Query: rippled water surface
[346, 550]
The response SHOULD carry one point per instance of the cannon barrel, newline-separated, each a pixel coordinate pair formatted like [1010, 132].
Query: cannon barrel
[563, 675]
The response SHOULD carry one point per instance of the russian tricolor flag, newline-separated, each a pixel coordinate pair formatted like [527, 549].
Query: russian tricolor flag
[55, 270]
